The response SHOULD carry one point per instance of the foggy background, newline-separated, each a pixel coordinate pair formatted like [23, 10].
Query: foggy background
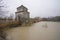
[37, 8]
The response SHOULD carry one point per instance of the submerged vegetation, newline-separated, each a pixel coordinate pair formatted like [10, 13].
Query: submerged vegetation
[45, 25]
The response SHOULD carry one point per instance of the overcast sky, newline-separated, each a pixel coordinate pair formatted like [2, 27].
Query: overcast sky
[41, 8]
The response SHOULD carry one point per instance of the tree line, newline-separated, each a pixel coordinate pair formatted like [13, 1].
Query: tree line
[56, 18]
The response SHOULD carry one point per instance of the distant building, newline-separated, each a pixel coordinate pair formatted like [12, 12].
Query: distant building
[22, 12]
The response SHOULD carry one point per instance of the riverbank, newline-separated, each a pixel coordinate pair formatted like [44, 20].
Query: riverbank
[33, 29]
[8, 25]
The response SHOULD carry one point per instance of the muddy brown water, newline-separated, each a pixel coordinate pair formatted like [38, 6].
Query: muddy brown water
[38, 31]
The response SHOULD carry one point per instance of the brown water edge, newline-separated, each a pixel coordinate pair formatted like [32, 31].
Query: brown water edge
[3, 30]
[38, 31]
[2, 34]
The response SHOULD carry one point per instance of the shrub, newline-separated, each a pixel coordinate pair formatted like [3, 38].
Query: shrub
[9, 24]
[14, 24]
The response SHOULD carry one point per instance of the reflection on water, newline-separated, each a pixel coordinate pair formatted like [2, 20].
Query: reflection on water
[38, 31]
[45, 25]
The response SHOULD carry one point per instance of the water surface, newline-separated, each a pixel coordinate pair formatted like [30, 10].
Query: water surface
[38, 31]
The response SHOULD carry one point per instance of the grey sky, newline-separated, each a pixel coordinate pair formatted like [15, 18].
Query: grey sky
[41, 8]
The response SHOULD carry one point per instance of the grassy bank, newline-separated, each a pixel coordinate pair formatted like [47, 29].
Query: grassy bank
[12, 24]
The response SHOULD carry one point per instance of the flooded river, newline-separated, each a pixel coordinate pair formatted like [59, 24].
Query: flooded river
[38, 31]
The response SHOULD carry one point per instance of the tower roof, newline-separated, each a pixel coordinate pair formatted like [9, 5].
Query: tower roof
[23, 7]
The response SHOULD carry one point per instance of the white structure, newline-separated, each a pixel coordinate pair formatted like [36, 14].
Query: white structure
[22, 12]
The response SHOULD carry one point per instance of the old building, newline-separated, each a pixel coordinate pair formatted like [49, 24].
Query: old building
[22, 12]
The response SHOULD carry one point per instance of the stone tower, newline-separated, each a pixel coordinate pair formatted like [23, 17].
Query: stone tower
[22, 12]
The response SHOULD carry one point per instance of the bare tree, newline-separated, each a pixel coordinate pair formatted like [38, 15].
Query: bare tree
[2, 6]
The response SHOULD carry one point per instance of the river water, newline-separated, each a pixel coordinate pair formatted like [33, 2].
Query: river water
[38, 31]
